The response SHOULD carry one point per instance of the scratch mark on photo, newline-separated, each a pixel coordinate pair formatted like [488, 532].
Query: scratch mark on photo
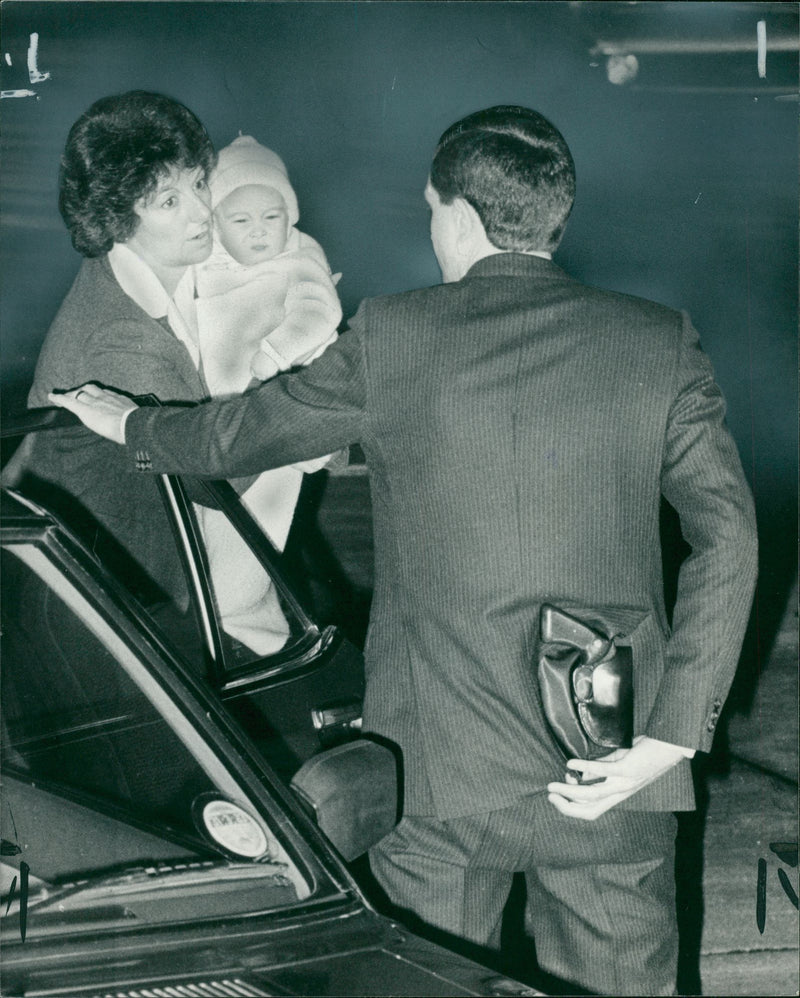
[33, 53]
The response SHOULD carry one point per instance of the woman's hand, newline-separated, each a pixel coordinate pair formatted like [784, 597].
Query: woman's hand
[99, 409]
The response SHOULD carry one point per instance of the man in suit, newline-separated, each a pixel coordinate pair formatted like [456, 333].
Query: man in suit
[519, 429]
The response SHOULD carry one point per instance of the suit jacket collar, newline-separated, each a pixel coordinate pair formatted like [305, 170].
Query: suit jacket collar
[515, 265]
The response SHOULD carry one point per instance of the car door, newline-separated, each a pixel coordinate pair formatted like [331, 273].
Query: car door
[296, 692]
[293, 700]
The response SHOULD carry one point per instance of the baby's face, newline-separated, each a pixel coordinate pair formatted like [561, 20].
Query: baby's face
[252, 223]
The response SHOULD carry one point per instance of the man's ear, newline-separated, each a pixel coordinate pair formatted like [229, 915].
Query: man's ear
[469, 226]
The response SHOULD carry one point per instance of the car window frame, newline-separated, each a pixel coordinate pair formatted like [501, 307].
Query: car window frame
[300, 653]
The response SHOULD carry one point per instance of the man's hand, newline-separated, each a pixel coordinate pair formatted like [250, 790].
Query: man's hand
[99, 409]
[623, 773]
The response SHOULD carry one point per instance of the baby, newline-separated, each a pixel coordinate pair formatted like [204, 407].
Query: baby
[266, 297]
[266, 302]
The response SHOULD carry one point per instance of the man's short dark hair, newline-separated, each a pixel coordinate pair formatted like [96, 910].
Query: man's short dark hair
[515, 169]
[116, 153]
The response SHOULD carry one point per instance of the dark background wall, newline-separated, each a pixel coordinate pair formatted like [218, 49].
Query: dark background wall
[687, 188]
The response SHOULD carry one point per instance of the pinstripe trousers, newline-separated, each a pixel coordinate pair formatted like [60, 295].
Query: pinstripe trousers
[601, 894]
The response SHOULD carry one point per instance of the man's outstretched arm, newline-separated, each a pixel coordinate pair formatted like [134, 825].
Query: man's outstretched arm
[294, 417]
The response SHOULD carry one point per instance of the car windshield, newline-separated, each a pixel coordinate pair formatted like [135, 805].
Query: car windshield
[110, 787]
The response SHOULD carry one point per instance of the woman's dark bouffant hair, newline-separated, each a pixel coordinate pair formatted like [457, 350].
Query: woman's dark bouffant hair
[116, 153]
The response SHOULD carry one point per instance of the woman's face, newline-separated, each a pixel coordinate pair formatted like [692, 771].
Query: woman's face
[174, 228]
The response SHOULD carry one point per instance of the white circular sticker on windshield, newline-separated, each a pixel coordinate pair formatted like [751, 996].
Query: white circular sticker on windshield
[234, 828]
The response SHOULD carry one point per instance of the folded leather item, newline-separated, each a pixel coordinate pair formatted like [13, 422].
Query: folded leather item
[586, 684]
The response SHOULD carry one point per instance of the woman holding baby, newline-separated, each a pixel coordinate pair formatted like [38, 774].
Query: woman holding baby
[134, 194]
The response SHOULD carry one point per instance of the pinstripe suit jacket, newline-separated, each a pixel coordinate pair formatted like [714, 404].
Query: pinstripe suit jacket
[519, 430]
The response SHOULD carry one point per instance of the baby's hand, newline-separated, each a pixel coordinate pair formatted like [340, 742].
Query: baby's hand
[263, 367]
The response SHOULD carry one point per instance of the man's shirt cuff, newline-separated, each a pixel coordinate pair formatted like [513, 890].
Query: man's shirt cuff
[123, 421]
[688, 753]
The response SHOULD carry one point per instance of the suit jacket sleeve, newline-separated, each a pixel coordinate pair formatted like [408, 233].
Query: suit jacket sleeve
[142, 359]
[294, 417]
[702, 478]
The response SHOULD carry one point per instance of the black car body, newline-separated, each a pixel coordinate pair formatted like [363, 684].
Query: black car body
[152, 842]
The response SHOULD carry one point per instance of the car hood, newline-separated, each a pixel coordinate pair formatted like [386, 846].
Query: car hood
[350, 952]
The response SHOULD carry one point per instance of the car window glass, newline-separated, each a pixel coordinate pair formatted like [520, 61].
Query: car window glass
[225, 589]
[91, 741]
[250, 612]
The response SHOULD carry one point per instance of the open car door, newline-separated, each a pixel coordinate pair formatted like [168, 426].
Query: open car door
[297, 694]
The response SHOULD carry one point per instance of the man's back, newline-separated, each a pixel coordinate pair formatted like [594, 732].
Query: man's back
[517, 433]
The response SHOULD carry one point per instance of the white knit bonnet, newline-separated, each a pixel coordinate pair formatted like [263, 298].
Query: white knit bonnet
[246, 161]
